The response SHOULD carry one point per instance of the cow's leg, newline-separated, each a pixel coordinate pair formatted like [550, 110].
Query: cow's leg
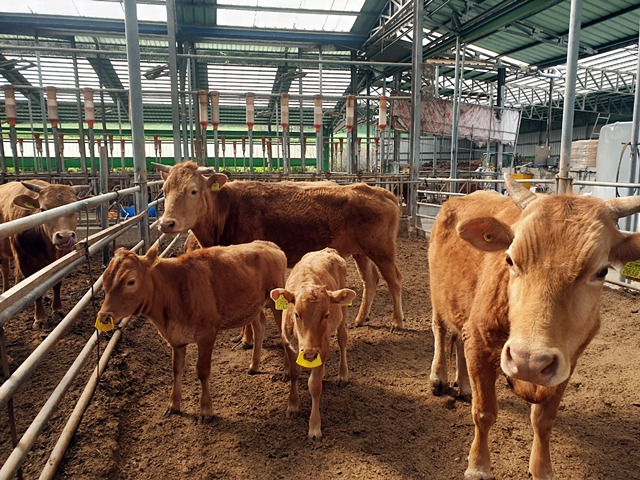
[293, 372]
[315, 389]
[57, 301]
[439, 377]
[542, 418]
[40, 316]
[175, 397]
[203, 368]
[462, 374]
[370, 278]
[484, 408]
[393, 277]
[343, 370]
[258, 327]
[6, 271]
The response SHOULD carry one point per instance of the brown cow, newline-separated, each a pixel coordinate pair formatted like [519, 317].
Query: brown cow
[300, 217]
[191, 297]
[520, 279]
[317, 309]
[37, 247]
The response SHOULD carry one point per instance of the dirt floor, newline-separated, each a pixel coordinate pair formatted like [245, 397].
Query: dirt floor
[384, 424]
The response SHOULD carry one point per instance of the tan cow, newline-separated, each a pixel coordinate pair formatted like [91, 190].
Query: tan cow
[317, 309]
[190, 298]
[521, 279]
[299, 217]
[37, 247]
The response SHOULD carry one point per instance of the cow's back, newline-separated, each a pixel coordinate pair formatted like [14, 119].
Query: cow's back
[462, 277]
[306, 216]
[230, 283]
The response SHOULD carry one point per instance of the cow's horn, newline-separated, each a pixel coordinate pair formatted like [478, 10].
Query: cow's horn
[32, 186]
[161, 167]
[520, 195]
[623, 206]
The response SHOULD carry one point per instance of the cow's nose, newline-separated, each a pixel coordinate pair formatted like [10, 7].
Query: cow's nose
[539, 365]
[310, 353]
[167, 225]
[64, 239]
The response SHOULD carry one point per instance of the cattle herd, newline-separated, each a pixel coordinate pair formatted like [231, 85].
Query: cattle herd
[516, 280]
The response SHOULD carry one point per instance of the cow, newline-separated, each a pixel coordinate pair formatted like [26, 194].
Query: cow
[300, 217]
[316, 308]
[520, 279]
[35, 248]
[191, 297]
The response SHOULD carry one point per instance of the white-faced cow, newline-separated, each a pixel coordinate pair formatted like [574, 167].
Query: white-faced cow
[317, 309]
[300, 217]
[190, 298]
[520, 278]
[37, 247]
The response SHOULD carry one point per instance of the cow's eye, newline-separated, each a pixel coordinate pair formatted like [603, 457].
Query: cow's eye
[326, 316]
[43, 209]
[131, 282]
[194, 191]
[602, 273]
[509, 261]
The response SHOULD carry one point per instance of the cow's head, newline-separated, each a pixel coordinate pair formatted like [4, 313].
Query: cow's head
[187, 192]
[557, 256]
[125, 285]
[61, 231]
[309, 309]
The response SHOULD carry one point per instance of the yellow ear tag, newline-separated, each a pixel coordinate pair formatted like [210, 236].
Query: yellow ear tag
[350, 304]
[105, 327]
[156, 262]
[488, 237]
[29, 205]
[215, 186]
[281, 303]
[303, 362]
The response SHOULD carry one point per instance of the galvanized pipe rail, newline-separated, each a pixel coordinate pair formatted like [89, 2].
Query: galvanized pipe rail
[27, 441]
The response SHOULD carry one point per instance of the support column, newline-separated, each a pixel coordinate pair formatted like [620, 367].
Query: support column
[563, 182]
[455, 116]
[416, 106]
[173, 79]
[137, 120]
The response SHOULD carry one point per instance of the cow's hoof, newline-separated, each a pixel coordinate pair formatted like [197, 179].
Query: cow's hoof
[343, 382]
[293, 412]
[205, 419]
[254, 371]
[171, 411]
[438, 388]
[474, 474]
[315, 436]
[246, 346]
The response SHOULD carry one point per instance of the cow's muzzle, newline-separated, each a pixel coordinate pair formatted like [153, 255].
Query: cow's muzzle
[64, 240]
[167, 225]
[545, 366]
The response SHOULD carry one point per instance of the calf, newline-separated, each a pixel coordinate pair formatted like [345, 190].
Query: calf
[520, 278]
[317, 308]
[37, 247]
[190, 298]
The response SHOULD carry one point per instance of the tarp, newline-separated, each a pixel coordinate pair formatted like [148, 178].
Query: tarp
[477, 122]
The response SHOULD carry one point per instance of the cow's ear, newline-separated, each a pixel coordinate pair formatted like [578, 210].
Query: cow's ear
[152, 254]
[288, 296]
[626, 251]
[486, 233]
[26, 202]
[216, 181]
[342, 297]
